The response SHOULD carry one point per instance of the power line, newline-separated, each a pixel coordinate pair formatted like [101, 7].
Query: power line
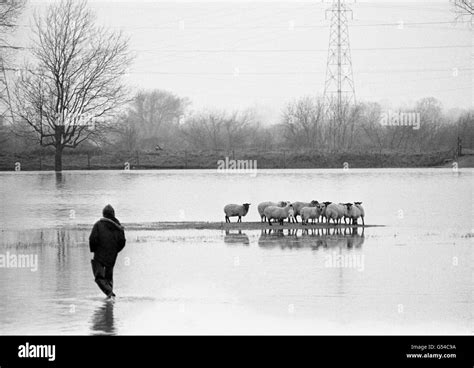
[14, 47]
[228, 74]
[395, 48]
[295, 72]
[285, 25]
[305, 50]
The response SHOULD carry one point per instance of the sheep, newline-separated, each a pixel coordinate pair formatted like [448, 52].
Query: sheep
[261, 207]
[335, 212]
[344, 212]
[297, 206]
[232, 210]
[291, 216]
[362, 212]
[277, 213]
[354, 211]
[323, 210]
[308, 213]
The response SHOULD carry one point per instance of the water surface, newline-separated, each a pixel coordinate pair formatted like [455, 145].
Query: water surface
[412, 276]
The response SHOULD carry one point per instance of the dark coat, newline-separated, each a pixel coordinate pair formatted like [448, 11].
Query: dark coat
[107, 239]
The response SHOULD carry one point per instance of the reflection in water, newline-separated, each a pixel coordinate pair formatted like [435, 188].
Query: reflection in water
[103, 319]
[60, 180]
[62, 247]
[348, 278]
[58, 238]
[236, 238]
[313, 238]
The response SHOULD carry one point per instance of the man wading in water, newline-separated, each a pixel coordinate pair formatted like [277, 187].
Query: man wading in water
[107, 239]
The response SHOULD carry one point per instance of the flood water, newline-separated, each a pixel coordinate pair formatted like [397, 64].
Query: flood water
[413, 276]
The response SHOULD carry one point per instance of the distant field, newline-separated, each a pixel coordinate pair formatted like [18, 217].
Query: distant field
[463, 161]
[208, 160]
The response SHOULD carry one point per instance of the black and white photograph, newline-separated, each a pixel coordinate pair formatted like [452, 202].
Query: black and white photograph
[196, 167]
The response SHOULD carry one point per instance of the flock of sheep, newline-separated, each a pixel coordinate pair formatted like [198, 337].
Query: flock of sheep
[314, 211]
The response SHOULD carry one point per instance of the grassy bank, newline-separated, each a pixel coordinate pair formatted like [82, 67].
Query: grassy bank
[208, 160]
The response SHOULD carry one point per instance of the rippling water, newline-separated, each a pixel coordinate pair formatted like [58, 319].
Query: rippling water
[412, 276]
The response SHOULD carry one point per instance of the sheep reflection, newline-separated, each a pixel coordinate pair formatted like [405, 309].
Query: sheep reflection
[236, 238]
[311, 238]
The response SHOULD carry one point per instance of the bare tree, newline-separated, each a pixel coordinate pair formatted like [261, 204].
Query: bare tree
[236, 126]
[197, 133]
[218, 130]
[465, 6]
[213, 123]
[9, 12]
[75, 88]
[303, 121]
[463, 9]
[128, 134]
[340, 124]
[155, 115]
[431, 116]
[370, 126]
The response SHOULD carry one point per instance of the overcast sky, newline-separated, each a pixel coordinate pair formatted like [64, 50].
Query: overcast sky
[235, 55]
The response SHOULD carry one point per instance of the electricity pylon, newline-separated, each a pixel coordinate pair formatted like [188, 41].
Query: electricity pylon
[6, 114]
[339, 86]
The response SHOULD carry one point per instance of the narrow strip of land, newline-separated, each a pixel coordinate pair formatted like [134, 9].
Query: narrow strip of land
[201, 225]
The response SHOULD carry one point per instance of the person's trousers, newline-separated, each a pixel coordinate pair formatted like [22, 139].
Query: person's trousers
[103, 277]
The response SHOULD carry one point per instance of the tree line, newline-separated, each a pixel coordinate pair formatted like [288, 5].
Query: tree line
[160, 118]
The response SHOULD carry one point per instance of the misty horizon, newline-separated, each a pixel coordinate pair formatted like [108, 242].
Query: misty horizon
[256, 55]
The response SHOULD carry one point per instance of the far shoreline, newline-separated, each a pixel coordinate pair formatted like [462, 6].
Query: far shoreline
[178, 160]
